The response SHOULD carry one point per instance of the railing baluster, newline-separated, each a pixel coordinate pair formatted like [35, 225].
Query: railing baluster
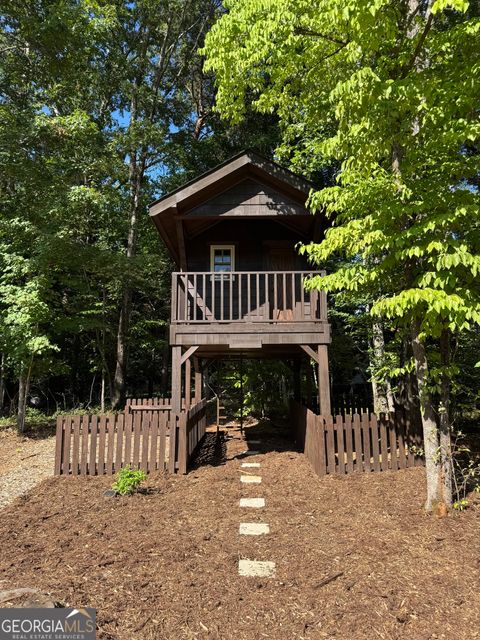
[204, 298]
[212, 285]
[185, 300]
[292, 294]
[174, 310]
[251, 300]
[239, 286]
[267, 297]
[195, 281]
[302, 294]
[275, 297]
[222, 284]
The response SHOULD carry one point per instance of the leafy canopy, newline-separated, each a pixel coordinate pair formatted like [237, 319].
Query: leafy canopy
[391, 97]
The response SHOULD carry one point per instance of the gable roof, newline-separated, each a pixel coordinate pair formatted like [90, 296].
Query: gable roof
[170, 212]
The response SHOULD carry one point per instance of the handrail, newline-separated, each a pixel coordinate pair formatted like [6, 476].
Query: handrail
[246, 296]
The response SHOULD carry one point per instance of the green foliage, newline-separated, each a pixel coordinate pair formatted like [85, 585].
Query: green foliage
[395, 108]
[128, 481]
[461, 505]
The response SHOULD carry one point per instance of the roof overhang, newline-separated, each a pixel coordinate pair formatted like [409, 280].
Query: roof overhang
[169, 212]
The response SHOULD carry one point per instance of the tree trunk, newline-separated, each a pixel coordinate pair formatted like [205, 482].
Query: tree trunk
[23, 384]
[119, 381]
[445, 427]
[382, 391]
[429, 423]
[102, 392]
[2, 382]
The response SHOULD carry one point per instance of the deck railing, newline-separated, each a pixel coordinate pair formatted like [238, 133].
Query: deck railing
[244, 296]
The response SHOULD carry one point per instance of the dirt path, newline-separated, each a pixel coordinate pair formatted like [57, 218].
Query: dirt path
[355, 557]
[24, 462]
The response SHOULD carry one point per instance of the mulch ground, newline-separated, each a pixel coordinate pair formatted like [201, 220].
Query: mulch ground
[24, 461]
[356, 557]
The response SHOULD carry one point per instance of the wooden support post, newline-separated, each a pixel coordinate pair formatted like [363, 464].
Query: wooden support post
[188, 383]
[197, 365]
[296, 380]
[176, 381]
[323, 381]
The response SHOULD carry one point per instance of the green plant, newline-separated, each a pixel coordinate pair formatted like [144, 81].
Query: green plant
[128, 481]
[461, 505]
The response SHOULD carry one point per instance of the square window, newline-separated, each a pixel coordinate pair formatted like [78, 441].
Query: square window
[222, 259]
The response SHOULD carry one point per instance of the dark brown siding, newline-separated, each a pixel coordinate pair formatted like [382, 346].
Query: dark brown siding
[251, 239]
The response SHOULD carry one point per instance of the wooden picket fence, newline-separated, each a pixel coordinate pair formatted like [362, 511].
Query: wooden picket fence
[151, 440]
[358, 443]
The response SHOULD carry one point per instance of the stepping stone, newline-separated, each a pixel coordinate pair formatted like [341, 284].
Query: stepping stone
[253, 529]
[254, 441]
[250, 479]
[250, 465]
[256, 569]
[253, 503]
[251, 453]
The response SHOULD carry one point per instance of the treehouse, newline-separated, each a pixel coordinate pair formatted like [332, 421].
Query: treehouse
[238, 288]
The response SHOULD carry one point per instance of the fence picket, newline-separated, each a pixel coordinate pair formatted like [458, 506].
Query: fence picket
[400, 422]
[101, 445]
[137, 422]
[366, 442]
[357, 430]
[375, 442]
[120, 438]
[146, 425]
[66, 445]
[59, 439]
[76, 445]
[339, 426]
[393, 442]
[351, 443]
[152, 462]
[84, 433]
[330, 444]
[383, 442]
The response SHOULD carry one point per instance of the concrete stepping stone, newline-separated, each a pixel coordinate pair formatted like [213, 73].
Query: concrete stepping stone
[256, 568]
[253, 529]
[252, 503]
[254, 441]
[251, 479]
[251, 453]
[250, 465]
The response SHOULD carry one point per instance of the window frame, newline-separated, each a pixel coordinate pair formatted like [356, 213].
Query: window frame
[216, 247]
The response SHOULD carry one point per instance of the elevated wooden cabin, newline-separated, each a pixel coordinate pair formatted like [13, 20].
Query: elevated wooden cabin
[238, 288]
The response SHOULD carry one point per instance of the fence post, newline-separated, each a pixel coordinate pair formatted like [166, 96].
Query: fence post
[60, 431]
[182, 443]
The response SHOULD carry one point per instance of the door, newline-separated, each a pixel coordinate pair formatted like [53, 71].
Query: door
[281, 259]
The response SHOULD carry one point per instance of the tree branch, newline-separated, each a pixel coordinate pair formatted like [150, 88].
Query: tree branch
[302, 31]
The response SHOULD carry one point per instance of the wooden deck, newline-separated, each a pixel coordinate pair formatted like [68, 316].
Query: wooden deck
[247, 310]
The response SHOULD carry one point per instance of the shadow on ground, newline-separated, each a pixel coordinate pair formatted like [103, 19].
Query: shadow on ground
[262, 435]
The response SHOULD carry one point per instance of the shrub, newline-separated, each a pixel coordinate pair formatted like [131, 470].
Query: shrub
[128, 480]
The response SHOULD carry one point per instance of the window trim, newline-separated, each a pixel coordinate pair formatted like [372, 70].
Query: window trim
[214, 247]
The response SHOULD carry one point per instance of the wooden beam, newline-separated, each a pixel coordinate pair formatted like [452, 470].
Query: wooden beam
[188, 383]
[310, 352]
[181, 245]
[176, 380]
[198, 379]
[188, 353]
[323, 381]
